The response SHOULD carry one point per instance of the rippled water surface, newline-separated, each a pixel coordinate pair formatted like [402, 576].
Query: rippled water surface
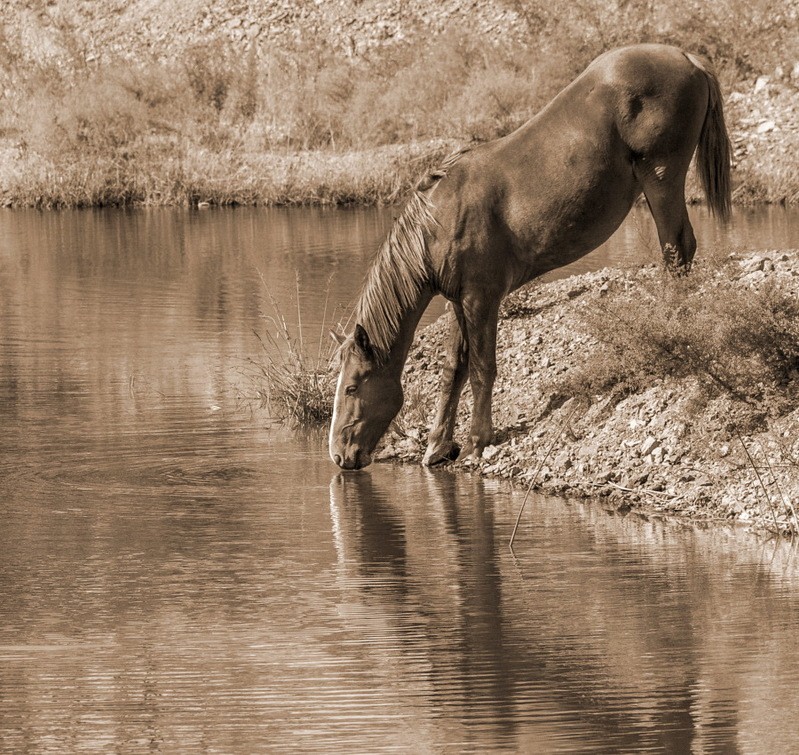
[179, 574]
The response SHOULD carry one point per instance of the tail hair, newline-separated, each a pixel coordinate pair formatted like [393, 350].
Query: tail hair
[713, 153]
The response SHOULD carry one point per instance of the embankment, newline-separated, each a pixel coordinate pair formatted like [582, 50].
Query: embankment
[678, 396]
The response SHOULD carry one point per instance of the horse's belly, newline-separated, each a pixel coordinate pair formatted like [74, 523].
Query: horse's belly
[572, 221]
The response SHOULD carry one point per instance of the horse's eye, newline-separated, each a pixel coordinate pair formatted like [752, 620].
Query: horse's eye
[350, 389]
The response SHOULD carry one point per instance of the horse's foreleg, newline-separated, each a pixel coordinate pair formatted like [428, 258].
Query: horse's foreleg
[481, 316]
[440, 446]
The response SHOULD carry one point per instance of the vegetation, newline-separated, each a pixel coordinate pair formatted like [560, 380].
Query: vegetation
[288, 380]
[729, 338]
[304, 123]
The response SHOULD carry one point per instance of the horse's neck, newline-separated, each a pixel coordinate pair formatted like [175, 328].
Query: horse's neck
[398, 350]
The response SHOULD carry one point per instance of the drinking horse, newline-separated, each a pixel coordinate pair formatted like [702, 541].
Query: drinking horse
[502, 213]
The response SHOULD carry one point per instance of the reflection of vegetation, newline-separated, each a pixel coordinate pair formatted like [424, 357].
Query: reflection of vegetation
[304, 123]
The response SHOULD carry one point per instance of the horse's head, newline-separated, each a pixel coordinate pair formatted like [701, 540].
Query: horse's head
[368, 397]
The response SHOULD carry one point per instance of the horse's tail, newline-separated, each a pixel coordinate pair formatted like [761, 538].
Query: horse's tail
[713, 151]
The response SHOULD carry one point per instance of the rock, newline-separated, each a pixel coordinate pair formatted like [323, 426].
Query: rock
[489, 452]
[562, 461]
[765, 127]
[650, 444]
[756, 276]
[761, 84]
[752, 264]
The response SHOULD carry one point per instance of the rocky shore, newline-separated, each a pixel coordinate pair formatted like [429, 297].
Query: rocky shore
[672, 447]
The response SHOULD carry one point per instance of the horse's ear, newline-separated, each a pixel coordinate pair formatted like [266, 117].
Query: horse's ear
[362, 341]
[338, 336]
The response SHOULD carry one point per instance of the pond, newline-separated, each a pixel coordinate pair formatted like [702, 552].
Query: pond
[178, 572]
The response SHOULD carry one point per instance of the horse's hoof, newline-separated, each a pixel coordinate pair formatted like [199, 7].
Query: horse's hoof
[442, 454]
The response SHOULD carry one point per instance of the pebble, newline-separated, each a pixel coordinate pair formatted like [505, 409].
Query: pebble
[760, 84]
[649, 445]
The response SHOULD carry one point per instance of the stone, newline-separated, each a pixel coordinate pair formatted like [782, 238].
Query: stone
[761, 83]
[765, 127]
[756, 276]
[752, 264]
[650, 444]
[489, 452]
[562, 461]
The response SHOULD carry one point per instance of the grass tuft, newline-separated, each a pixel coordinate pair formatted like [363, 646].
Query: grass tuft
[291, 384]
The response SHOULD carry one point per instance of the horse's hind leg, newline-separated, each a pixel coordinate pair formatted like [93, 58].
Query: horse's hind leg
[666, 200]
[440, 446]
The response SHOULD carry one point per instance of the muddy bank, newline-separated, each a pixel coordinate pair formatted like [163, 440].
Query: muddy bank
[676, 446]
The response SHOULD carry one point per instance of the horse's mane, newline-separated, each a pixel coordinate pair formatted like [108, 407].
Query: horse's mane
[400, 269]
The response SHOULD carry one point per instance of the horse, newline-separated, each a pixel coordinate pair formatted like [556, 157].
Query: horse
[497, 215]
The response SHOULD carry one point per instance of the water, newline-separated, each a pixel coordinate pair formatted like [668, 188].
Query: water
[177, 573]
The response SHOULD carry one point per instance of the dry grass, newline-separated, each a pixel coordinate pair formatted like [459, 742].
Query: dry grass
[307, 124]
[735, 340]
[291, 384]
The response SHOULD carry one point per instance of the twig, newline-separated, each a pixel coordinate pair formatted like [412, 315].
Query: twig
[760, 480]
[324, 320]
[787, 503]
[299, 312]
[672, 496]
[538, 469]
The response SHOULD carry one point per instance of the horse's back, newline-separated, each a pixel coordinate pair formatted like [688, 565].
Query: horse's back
[560, 185]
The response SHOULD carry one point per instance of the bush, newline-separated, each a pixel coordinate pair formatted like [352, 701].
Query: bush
[734, 340]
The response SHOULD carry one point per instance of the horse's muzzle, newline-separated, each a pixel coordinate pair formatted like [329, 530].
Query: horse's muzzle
[358, 460]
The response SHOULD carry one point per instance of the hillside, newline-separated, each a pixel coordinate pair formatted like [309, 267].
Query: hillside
[164, 27]
[330, 101]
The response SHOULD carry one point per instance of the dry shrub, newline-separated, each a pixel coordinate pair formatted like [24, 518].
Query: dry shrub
[138, 122]
[742, 37]
[735, 340]
[293, 385]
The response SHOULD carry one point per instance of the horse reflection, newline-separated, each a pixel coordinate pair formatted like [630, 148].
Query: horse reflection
[422, 565]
